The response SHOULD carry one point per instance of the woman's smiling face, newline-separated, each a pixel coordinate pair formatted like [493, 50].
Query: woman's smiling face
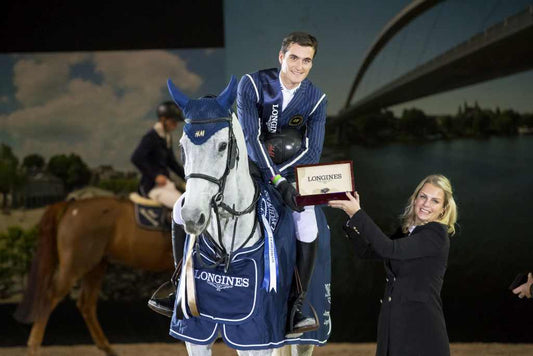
[429, 204]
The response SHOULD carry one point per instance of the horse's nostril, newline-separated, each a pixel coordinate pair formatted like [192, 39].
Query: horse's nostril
[201, 220]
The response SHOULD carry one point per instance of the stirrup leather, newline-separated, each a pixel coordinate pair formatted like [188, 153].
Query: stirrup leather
[166, 292]
[292, 329]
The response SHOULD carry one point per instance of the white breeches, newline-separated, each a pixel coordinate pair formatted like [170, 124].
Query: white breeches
[305, 224]
[166, 194]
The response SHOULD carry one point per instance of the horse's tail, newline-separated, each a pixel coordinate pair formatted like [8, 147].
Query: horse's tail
[43, 265]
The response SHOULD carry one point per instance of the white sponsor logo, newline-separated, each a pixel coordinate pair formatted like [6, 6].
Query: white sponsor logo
[270, 213]
[272, 123]
[221, 282]
[327, 319]
[199, 133]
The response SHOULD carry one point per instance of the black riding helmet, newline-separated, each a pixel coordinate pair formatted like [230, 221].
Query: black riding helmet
[169, 109]
[284, 145]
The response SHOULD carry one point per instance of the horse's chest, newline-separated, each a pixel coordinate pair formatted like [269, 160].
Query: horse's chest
[235, 288]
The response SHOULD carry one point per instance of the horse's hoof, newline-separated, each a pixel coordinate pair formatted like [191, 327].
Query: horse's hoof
[33, 351]
[108, 351]
[111, 352]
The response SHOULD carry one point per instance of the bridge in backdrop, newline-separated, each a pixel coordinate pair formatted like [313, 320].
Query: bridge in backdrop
[501, 50]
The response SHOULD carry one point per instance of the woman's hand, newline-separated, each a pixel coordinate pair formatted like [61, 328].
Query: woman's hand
[350, 206]
[524, 290]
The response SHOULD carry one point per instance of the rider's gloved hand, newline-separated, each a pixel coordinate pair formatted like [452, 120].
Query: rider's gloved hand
[288, 194]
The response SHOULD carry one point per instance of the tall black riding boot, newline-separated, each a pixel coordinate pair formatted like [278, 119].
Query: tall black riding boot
[164, 298]
[297, 321]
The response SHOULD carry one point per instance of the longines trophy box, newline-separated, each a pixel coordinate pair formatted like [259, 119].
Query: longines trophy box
[320, 183]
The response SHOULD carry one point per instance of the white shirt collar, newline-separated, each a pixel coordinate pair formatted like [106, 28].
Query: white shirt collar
[285, 89]
[288, 94]
[158, 127]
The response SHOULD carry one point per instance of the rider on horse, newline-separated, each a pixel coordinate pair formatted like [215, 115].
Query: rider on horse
[271, 104]
[154, 158]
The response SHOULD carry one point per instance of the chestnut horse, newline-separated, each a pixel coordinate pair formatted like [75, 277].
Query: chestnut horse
[76, 241]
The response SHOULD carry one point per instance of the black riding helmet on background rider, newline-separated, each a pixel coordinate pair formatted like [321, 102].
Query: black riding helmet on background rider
[170, 110]
[169, 115]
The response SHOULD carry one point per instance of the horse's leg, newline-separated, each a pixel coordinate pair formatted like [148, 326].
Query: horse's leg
[61, 285]
[304, 350]
[90, 288]
[282, 351]
[267, 352]
[198, 350]
[296, 350]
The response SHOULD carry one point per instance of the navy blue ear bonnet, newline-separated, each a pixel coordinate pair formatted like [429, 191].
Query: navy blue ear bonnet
[205, 116]
[198, 133]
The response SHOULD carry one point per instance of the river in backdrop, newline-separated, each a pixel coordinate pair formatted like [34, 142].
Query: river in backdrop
[493, 187]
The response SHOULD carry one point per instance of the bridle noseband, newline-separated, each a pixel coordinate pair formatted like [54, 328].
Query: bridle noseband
[217, 201]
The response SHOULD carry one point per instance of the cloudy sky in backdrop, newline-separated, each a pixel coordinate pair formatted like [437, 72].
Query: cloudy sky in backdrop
[98, 104]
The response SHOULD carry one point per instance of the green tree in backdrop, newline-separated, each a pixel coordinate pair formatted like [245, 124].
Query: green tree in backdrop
[10, 176]
[70, 169]
[16, 251]
[33, 162]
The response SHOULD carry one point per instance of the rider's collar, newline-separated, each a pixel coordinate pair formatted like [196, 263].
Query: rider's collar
[200, 130]
[160, 130]
[287, 90]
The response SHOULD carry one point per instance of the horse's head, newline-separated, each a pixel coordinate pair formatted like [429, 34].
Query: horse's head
[210, 141]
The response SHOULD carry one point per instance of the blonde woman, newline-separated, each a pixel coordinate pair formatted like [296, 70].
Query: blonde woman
[411, 321]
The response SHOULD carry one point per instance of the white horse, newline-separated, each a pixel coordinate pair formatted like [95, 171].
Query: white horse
[221, 196]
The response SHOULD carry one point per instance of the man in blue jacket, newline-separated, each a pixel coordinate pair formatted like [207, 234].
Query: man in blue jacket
[272, 103]
[154, 157]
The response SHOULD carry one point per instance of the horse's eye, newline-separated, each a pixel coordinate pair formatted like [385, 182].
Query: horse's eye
[222, 146]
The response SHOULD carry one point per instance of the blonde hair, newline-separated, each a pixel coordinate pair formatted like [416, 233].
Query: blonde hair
[449, 214]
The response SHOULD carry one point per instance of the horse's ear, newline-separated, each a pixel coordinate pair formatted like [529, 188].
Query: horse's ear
[179, 98]
[227, 97]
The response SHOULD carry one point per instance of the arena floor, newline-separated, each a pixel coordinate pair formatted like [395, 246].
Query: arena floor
[333, 349]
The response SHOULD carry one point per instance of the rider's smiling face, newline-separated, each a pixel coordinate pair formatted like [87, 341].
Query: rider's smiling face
[295, 64]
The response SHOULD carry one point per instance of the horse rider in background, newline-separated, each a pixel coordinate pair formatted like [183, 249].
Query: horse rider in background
[270, 103]
[155, 159]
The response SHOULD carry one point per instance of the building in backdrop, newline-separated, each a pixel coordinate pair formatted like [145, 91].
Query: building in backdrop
[40, 189]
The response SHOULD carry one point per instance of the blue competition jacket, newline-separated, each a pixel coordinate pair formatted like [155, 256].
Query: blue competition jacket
[238, 305]
[259, 103]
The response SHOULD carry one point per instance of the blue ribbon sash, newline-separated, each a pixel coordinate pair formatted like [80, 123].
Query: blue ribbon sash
[269, 219]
